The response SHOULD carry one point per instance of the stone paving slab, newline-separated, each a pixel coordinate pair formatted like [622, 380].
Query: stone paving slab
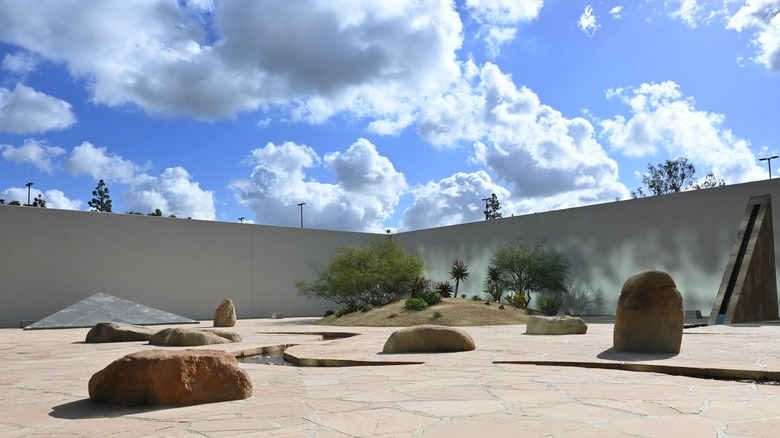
[43, 387]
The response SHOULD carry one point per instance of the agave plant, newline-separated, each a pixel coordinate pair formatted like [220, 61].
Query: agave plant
[459, 271]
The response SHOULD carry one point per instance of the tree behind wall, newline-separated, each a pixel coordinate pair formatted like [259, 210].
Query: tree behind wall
[492, 208]
[525, 268]
[673, 176]
[101, 200]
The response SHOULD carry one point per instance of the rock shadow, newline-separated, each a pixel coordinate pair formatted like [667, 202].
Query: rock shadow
[632, 356]
[86, 409]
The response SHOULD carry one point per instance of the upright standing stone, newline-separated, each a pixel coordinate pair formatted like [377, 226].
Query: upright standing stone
[649, 316]
[225, 316]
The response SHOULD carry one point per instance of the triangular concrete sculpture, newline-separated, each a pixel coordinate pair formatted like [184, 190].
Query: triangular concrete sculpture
[748, 291]
[107, 308]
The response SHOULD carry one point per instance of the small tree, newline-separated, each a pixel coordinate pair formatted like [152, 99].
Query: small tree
[492, 208]
[39, 201]
[156, 212]
[525, 268]
[101, 200]
[375, 273]
[14, 202]
[674, 176]
[459, 271]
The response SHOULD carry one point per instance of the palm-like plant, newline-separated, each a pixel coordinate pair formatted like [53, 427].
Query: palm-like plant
[459, 271]
[492, 283]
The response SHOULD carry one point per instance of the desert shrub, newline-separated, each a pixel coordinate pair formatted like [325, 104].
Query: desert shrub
[584, 299]
[516, 299]
[549, 305]
[475, 298]
[526, 268]
[493, 284]
[463, 296]
[501, 306]
[359, 277]
[419, 285]
[329, 312]
[437, 314]
[415, 304]
[430, 297]
[392, 315]
[444, 288]
[487, 303]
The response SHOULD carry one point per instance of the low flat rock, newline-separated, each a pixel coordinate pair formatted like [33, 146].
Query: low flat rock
[556, 325]
[164, 377]
[116, 332]
[184, 337]
[428, 339]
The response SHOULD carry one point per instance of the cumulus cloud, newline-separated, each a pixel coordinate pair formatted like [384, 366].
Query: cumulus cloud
[100, 164]
[616, 12]
[173, 192]
[452, 200]
[545, 159]
[34, 152]
[689, 12]
[213, 60]
[366, 191]
[662, 118]
[20, 63]
[498, 19]
[762, 16]
[54, 198]
[24, 110]
[587, 22]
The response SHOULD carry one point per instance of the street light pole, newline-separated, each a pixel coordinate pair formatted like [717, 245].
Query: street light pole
[769, 163]
[29, 184]
[301, 205]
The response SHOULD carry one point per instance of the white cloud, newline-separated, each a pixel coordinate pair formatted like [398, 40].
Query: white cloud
[100, 164]
[173, 192]
[763, 16]
[689, 12]
[214, 60]
[452, 200]
[662, 118]
[33, 152]
[21, 63]
[366, 191]
[498, 19]
[587, 22]
[53, 198]
[545, 159]
[24, 110]
[616, 12]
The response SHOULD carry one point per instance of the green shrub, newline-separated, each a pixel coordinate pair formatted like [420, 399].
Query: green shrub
[516, 299]
[430, 297]
[475, 298]
[463, 295]
[415, 304]
[549, 305]
[437, 314]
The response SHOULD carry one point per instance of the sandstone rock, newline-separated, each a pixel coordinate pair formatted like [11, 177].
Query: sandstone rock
[556, 325]
[116, 332]
[184, 337]
[225, 315]
[428, 339]
[164, 377]
[649, 316]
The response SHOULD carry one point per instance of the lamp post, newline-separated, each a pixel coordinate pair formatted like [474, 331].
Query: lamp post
[301, 205]
[29, 184]
[769, 163]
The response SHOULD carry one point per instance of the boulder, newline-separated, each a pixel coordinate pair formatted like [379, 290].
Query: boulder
[428, 339]
[165, 377]
[116, 332]
[185, 337]
[649, 316]
[555, 325]
[225, 315]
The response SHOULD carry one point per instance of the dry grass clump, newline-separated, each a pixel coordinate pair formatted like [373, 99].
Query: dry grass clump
[452, 312]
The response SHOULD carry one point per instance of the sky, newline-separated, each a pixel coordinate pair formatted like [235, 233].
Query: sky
[379, 114]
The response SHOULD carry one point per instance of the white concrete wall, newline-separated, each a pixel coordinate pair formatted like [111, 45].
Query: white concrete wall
[50, 259]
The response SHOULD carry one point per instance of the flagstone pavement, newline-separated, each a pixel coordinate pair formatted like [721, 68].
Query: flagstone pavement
[513, 384]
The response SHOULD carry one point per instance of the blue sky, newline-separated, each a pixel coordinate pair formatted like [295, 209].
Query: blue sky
[379, 114]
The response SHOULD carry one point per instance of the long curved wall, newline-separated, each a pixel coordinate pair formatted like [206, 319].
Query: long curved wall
[50, 259]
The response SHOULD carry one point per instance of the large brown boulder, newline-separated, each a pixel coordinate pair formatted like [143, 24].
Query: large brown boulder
[116, 332]
[225, 315]
[185, 337]
[649, 316]
[165, 377]
[555, 325]
[428, 339]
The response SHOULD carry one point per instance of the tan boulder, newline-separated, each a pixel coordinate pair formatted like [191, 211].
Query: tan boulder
[116, 332]
[225, 315]
[649, 316]
[428, 339]
[555, 325]
[185, 337]
[165, 377]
